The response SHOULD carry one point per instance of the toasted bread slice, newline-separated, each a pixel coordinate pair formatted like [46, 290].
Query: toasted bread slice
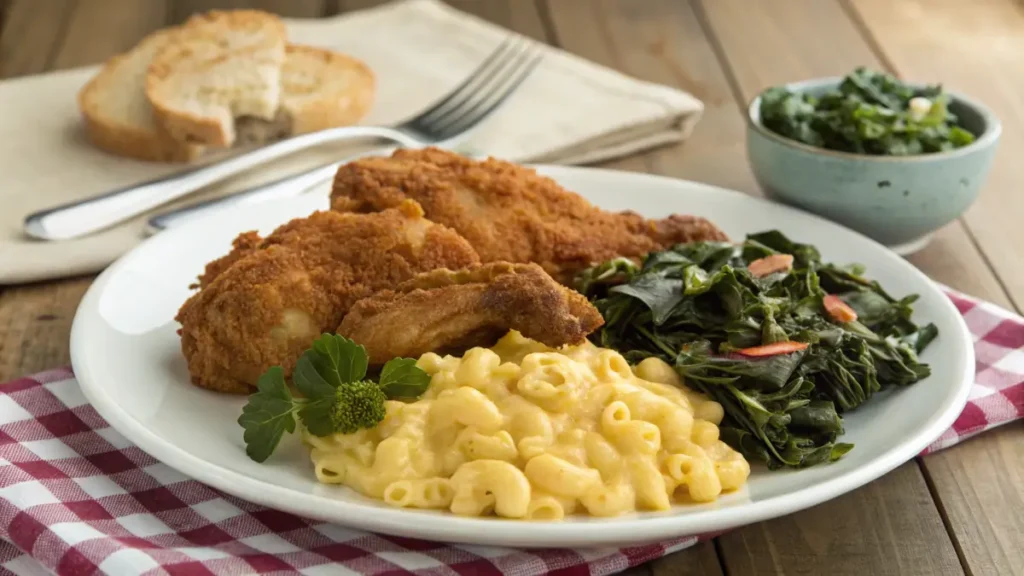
[323, 89]
[221, 65]
[319, 89]
[119, 119]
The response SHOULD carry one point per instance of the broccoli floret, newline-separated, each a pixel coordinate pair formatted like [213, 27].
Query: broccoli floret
[359, 405]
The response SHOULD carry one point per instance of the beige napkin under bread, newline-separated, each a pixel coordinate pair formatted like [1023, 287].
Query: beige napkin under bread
[569, 111]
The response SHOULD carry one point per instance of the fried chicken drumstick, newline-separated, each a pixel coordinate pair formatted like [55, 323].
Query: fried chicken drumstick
[262, 304]
[442, 311]
[508, 212]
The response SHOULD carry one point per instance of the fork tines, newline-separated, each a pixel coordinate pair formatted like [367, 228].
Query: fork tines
[483, 91]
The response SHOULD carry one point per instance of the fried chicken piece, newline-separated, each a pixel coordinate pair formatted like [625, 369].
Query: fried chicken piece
[264, 303]
[508, 212]
[445, 311]
[243, 245]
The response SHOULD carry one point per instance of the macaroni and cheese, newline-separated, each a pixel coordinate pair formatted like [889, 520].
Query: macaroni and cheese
[524, 431]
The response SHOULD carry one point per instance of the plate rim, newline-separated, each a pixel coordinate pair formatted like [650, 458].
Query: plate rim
[623, 530]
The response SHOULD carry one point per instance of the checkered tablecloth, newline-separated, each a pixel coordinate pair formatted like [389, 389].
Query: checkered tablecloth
[77, 498]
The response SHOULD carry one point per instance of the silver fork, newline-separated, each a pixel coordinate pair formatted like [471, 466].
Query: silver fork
[441, 124]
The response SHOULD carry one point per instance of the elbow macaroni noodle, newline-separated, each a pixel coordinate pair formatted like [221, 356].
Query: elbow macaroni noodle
[525, 431]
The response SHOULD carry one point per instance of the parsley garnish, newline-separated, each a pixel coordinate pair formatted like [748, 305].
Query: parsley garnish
[337, 397]
[400, 378]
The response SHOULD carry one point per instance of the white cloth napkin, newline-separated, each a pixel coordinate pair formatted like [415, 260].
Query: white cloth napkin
[569, 111]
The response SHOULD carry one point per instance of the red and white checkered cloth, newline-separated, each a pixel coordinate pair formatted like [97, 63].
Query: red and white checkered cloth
[77, 498]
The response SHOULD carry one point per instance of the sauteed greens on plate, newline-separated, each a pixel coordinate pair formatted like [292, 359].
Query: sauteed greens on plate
[785, 342]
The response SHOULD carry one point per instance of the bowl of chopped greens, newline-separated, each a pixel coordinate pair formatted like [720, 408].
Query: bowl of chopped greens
[892, 160]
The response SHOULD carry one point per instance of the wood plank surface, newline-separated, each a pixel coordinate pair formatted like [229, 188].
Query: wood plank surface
[98, 29]
[980, 488]
[889, 527]
[662, 41]
[812, 38]
[35, 324]
[700, 560]
[182, 9]
[977, 48]
[39, 36]
[35, 319]
[43, 35]
[32, 31]
[724, 52]
[523, 17]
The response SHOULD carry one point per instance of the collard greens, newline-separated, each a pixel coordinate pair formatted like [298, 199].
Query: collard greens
[696, 305]
[870, 113]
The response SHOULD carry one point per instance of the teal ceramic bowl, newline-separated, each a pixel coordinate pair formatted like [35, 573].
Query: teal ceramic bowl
[899, 201]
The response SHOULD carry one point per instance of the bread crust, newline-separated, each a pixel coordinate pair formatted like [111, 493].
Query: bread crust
[319, 89]
[333, 108]
[123, 138]
[203, 43]
[139, 145]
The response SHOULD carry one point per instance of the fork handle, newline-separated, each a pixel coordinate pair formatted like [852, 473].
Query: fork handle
[93, 214]
[286, 187]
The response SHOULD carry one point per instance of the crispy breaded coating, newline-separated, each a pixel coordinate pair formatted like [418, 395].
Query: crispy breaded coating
[263, 304]
[450, 311]
[243, 245]
[508, 212]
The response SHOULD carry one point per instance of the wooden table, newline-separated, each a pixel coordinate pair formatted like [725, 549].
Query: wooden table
[960, 511]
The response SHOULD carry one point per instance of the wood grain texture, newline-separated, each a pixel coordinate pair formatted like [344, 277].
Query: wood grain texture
[35, 323]
[953, 259]
[35, 320]
[978, 484]
[891, 526]
[977, 48]
[701, 560]
[883, 529]
[811, 38]
[600, 32]
[522, 17]
[662, 41]
[182, 9]
[98, 29]
[32, 31]
[339, 6]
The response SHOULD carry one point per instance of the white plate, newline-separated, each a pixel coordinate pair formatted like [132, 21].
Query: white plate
[126, 354]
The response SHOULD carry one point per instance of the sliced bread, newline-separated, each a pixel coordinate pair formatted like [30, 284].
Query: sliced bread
[319, 89]
[323, 89]
[221, 65]
[119, 119]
